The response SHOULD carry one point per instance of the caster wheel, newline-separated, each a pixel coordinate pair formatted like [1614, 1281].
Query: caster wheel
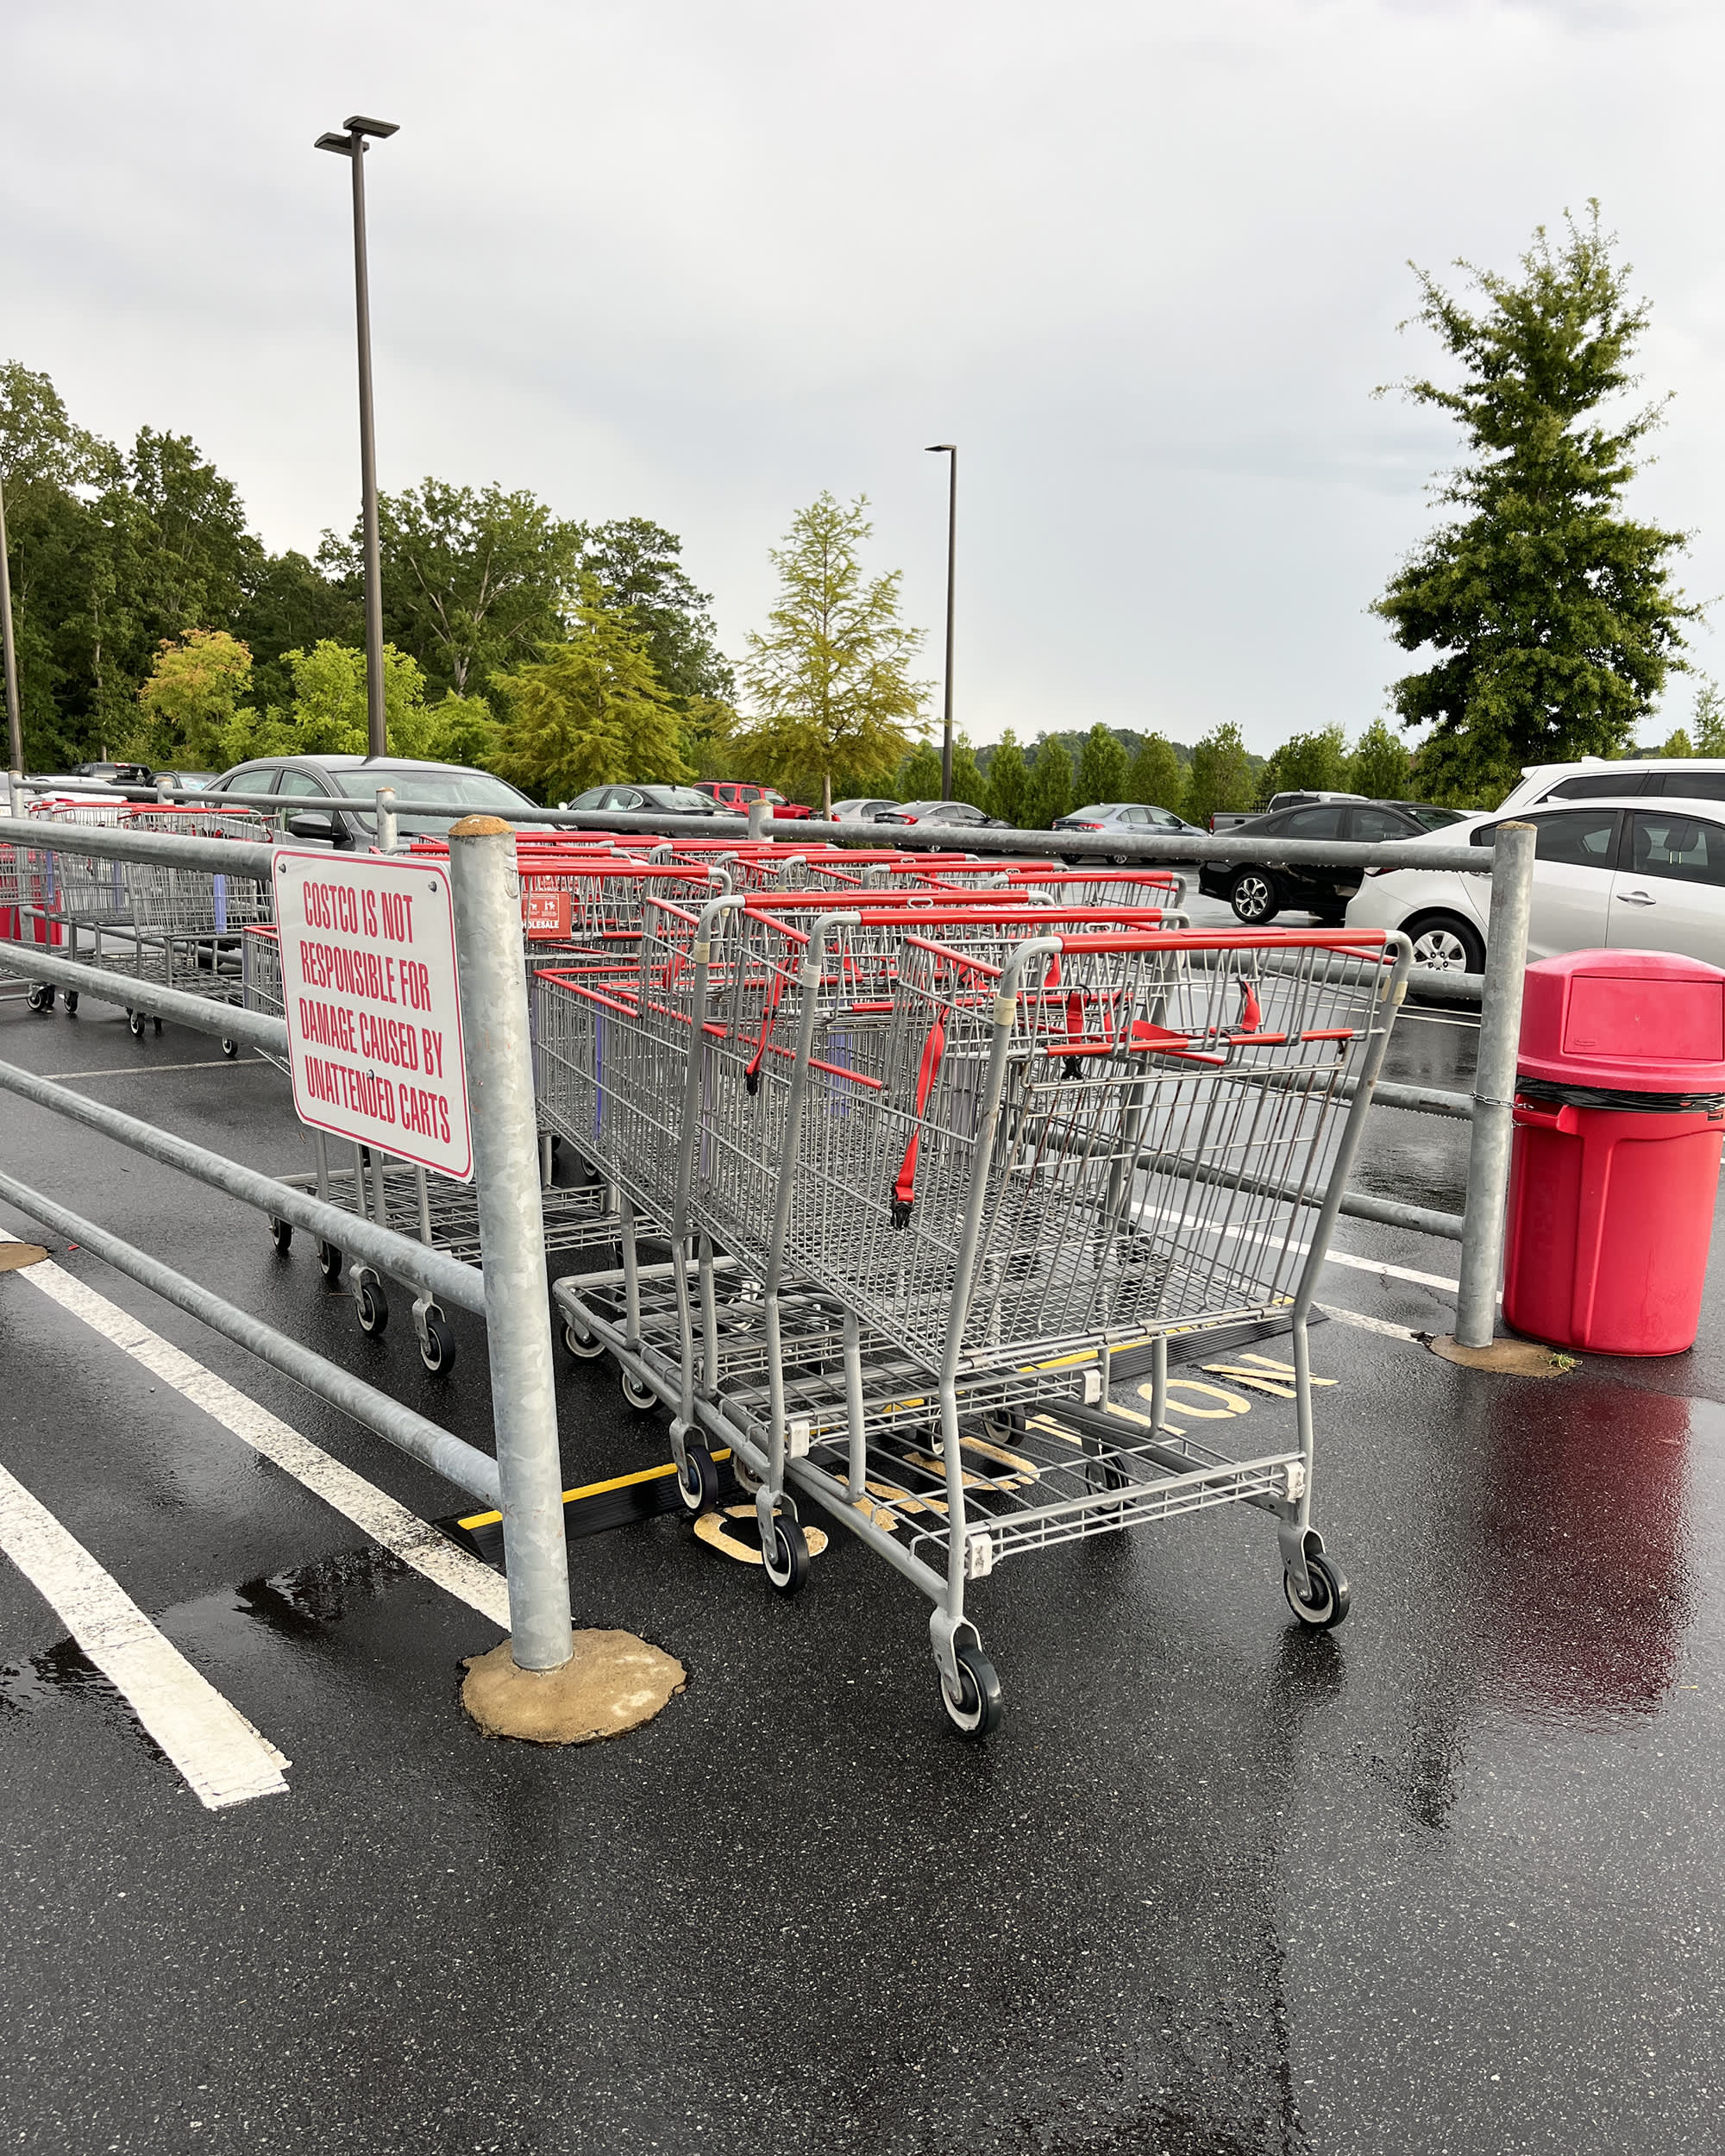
[371, 1307]
[999, 1425]
[70, 1002]
[135, 1025]
[640, 1397]
[785, 1559]
[281, 1234]
[329, 1262]
[582, 1345]
[697, 1485]
[1329, 1605]
[977, 1711]
[40, 996]
[230, 1049]
[437, 1349]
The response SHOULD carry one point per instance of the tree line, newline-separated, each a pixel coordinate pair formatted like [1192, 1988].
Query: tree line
[152, 622]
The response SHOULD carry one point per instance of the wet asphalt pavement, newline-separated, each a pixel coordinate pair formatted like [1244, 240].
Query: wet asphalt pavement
[1446, 1880]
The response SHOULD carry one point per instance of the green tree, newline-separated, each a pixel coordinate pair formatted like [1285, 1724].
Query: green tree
[1678, 743]
[829, 681]
[1708, 719]
[1380, 766]
[474, 579]
[967, 782]
[1554, 615]
[190, 700]
[918, 775]
[636, 563]
[589, 711]
[1008, 779]
[1222, 774]
[1155, 776]
[1307, 763]
[1103, 768]
[1049, 791]
[290, 605]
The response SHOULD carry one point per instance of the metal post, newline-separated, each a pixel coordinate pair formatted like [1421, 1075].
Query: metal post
[351, 146]
[760, 819]
[499, 1065]
[387, 838]
[1494, 1086]
[15, 722]
[949, 449]
[377, 743]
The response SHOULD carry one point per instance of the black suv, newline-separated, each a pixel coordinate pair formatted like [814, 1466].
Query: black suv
[331, 800]
[1258, 891]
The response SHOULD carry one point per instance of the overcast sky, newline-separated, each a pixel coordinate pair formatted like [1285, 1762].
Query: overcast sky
[697, 259]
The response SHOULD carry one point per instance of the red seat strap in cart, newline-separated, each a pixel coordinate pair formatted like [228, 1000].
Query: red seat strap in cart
[904, 1190]
[1250, 1018]
[751, 1075]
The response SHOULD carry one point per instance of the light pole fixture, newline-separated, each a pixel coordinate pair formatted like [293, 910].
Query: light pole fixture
[351, 146]
[949, 449]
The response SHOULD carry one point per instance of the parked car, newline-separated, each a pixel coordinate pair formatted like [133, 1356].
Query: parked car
[862, 810]
[1125, 816]
[941, 812]
[1595, 778]
[739, 794]
[648, 800]
[187, 781]
[1636, 874]
[329, 800]
[113, 774]
[1258, 891]
[1231, 819]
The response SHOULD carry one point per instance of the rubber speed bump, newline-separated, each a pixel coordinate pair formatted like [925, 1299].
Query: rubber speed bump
[594, 1509]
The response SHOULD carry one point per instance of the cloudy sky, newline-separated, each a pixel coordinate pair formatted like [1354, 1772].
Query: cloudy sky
[698, 259]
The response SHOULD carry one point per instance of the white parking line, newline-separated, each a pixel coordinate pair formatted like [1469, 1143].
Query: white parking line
[1395, 1272]
[375, 1512]
[1368, 1324]
[214, 1747]
[149, 1070]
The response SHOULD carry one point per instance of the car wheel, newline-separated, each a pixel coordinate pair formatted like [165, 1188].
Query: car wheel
[1444, 942]
[1254, 897]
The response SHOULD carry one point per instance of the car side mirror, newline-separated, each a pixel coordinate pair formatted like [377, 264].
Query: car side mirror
[317, 823]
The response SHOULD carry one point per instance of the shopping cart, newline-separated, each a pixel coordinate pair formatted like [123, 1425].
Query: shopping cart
[1061, 1150]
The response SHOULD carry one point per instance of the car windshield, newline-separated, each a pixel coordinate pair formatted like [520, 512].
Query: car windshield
[1098, 808]
[464, 791]
[679, 800]
[1434, 819]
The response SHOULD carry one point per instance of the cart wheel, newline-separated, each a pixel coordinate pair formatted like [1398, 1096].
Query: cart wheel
[281, 1234]
[698, 1487]
[230, 1049]
[977, 1713]
[71, 1001]
[135, 1025]
[1000, 1424]
[582, 1345]
[40, 996]
[1330, 1592]
[785, 1559]
[329, 1262]
[640, 1397]
[437, 1349]
[371, 1307]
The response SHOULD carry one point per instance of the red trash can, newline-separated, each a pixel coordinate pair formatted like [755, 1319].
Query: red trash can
[1620, 1110]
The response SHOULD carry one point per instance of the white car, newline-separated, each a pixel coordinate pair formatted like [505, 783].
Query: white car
[1593, 778]
[1631, 873]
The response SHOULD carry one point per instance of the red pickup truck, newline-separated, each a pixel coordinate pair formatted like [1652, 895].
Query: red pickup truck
[736, 794]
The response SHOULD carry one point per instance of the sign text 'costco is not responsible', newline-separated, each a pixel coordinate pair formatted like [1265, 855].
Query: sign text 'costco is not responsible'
[374, 1016]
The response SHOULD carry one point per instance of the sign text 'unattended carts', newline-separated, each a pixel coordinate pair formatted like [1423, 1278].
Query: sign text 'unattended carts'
[374, 1016]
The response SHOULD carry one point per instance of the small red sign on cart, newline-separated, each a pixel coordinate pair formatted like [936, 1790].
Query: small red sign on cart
[545, 915]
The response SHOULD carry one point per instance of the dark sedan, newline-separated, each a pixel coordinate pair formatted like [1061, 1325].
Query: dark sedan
[1258, 891]
[650, 800]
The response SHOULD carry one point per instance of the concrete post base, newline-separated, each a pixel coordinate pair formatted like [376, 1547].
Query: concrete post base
[612, 1682]
[1510, 1358]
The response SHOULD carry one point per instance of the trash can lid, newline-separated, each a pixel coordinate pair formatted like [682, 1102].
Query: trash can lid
[1645, 1020]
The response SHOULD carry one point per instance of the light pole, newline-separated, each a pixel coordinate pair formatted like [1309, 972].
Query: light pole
[949, 449]
[351, 146]
[14, 725]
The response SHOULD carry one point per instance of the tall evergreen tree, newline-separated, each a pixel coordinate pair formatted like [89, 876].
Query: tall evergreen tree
[1221, 775]
[1049, 791]
[1156, 776]
[1380, 765]
[1553, 614]
[1008, 779]
[1102, 768]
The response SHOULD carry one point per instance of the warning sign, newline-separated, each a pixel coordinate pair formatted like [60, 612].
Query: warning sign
[373, 1017]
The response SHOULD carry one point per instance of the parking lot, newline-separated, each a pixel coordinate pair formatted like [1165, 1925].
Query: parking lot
[1442, 1881]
